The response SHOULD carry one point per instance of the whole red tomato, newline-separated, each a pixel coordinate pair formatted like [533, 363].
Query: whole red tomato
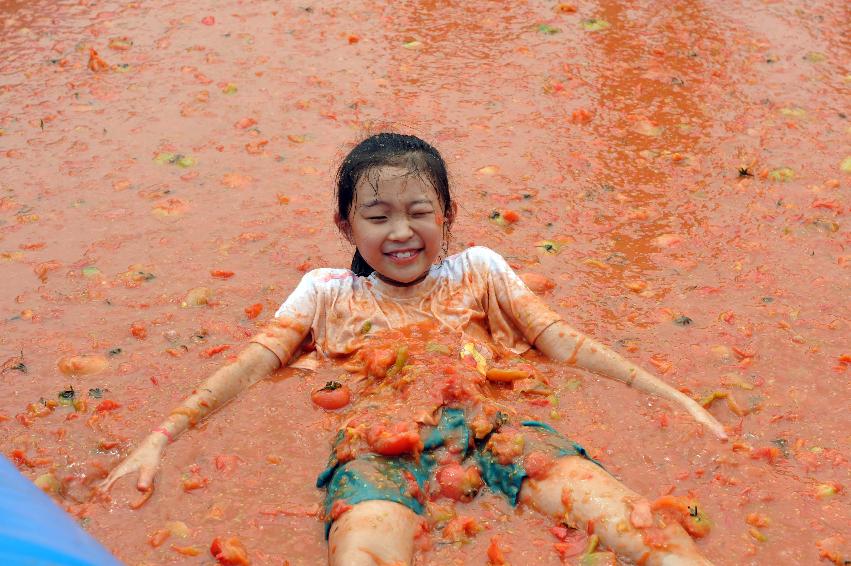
[333, 396]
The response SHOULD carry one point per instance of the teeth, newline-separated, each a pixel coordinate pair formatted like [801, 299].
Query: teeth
[403, 255]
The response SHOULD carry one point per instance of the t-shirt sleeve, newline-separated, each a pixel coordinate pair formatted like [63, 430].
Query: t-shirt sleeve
[511, 307]
[293, 320]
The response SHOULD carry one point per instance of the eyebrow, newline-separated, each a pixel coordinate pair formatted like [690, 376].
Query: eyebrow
[377, 202]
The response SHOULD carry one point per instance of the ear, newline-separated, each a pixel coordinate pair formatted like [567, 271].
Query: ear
[344, 226]
[453, 213]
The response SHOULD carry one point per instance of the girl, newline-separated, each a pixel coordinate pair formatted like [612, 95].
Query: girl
[425, 425]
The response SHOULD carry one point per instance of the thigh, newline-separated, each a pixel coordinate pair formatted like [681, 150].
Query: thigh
[583, 495]
[372, 477]
[374, 532]
[514, 453]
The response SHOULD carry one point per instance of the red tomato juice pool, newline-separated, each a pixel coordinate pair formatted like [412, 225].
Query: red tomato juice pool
[678, 172]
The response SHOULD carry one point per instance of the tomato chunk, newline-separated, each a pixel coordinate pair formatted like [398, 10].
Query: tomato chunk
[459, 483]
[229, 552]
[332, 396]
[401, 438]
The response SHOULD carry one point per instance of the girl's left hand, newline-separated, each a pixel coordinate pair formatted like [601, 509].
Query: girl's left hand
[702, 416]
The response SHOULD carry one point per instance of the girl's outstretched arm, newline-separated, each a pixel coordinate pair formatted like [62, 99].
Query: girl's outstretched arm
[252, 364]
[563, 343]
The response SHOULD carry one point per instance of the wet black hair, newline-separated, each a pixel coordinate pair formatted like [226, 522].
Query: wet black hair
[394, 150]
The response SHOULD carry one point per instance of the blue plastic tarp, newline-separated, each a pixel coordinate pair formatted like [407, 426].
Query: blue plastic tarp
[34, 531]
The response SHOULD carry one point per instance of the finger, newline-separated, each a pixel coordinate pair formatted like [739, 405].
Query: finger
[142, 499]
[106, 484]
[716, 427]
[146, 478]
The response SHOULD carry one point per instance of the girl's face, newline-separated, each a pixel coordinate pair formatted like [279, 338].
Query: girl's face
[396, 221]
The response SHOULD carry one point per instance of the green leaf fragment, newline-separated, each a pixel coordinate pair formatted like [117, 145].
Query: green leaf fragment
[90, 271]
[845, 166]
[367, 326]
[48, 483]
[67, 397]
[593, 542]
[496, 218]
[549, 246]
[401, 357]
[595, 24]
[597, 559]
[435, 348]
[794, 112]
[573, 384]
[825, 490]
[781, 174]
[548, 29]
[230, 88]
[166, 158]
[815, 57]
[415, 44]
[783, 445]
[184, 161]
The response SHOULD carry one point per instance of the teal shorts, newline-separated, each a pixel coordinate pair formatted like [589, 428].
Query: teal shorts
[405, 479]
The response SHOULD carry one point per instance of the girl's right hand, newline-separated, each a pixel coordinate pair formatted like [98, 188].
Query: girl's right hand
[145, 459]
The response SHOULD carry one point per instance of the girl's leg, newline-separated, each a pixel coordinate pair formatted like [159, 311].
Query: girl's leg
[374, 533]
[580, 492]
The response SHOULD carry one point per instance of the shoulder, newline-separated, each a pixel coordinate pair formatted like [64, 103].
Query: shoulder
[480, 256]
[327, 277]
[477, 263]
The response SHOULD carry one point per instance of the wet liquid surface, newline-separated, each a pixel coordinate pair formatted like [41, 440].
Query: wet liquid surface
[679, 172]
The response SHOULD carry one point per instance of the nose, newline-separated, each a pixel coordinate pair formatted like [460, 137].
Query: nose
[400, 231]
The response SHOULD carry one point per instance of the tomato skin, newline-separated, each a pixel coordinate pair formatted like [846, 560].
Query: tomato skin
[510, 216]
[461, 528]
[379, 361]
[572, 542]
[338, 508]
[686, 512]
[401, 438]
[107, 405]
[229, 552]
[159, 537]
[457, 482]
[253, 311]
[331, 399]
[396, 445]
[496, 557]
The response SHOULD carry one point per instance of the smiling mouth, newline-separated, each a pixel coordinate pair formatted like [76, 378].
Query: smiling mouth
[403, 254]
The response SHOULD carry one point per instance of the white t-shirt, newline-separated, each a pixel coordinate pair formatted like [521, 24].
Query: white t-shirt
[473, 293]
